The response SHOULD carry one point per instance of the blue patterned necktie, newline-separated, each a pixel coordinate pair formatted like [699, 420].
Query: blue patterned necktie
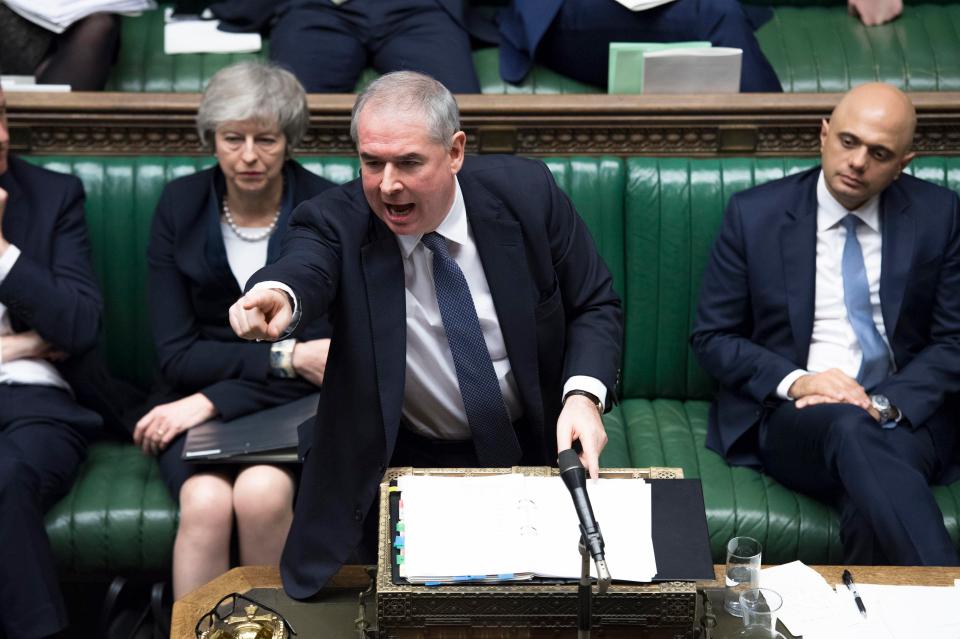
[875, 365]
[493, 434]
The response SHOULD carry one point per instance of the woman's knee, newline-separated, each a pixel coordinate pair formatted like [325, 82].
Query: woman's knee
[263, 493]
[206, 500]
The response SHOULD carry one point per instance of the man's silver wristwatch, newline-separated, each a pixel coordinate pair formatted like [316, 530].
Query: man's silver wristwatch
[888, 412]
[281, 359]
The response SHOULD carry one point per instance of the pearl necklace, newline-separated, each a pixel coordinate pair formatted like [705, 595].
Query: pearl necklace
[249, 237]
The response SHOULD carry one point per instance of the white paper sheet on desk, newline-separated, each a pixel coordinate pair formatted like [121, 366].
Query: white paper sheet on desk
[807, 597]
[902, 612]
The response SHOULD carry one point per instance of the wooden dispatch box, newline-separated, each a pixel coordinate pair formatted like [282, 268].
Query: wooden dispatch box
[522, 609]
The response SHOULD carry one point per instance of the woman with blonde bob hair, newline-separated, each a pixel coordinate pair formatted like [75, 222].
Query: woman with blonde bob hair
[211, 231]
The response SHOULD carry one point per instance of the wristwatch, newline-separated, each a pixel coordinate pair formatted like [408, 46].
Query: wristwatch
[888, 412]
[281, 359]
[593, 398]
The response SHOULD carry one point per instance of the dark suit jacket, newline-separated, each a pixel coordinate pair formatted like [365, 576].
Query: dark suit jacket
[557, 309]
[755, 317]
[52, 288]
[191, 289]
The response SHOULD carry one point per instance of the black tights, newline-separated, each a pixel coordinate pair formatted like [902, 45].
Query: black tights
[83, 54]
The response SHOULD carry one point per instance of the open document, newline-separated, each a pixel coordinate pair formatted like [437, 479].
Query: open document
[673, 67]
[57, 15]
[511, 526]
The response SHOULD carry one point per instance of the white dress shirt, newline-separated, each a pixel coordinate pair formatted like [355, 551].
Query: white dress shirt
[432, 403]
[35, 371]
[833, 344]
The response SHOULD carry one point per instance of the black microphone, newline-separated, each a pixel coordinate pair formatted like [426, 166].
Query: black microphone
[574, 476]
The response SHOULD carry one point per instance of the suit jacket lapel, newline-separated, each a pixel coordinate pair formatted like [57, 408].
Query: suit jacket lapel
[500, 246]
[386, 299]
[15, 232]
[214, 248]
[898, 228]
[798, 246]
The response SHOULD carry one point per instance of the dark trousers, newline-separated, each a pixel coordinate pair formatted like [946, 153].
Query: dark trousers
[879, 478]
[577, 42]
[327, 46]
[41, 449]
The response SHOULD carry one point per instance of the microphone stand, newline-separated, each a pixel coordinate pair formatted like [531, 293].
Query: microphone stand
[584, 592]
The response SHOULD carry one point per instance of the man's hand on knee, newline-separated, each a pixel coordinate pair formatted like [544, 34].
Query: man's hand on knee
[830, 386]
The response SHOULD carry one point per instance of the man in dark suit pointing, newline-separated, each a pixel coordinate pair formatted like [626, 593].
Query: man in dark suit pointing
[474, 321]
[830, 315]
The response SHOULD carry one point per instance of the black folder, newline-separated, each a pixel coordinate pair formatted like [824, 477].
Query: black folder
[267, 436]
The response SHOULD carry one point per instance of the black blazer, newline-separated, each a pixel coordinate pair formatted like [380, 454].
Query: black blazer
[554, 298]
[52, 288]
[191, 289]
[755, 317]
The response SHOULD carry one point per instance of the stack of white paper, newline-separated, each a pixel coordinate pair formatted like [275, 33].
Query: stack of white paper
[202, 34]
[511, 526]
[57, 15]
[699, 70]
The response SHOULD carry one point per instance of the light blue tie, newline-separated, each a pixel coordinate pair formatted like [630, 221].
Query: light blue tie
[875, 366]
[494, 437]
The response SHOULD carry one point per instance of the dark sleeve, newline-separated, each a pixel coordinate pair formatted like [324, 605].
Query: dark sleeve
[592, 308]
[187, 360]
[920, 388]
[237, 397]
[720, 337]
[61, 300]
[310, 262]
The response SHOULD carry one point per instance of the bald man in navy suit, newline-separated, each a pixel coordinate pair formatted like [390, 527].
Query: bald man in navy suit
[830, 315]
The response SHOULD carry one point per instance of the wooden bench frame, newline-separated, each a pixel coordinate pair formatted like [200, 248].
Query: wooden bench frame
[680, 125]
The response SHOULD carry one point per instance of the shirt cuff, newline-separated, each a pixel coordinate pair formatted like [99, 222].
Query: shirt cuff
[7, 260]
[280, 286]
[589, 384]
[788, 381]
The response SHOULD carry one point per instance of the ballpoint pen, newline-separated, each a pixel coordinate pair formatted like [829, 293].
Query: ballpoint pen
[852, 587]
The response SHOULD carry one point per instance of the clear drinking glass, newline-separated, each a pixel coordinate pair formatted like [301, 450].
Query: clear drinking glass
[760, 607]
[743, 571]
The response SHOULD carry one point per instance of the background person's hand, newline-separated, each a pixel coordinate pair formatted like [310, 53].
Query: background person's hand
[310, 360]
[875, 12]
[28, 345]
[830, 385]
[580, 419]
[156, 429]
[261, 314]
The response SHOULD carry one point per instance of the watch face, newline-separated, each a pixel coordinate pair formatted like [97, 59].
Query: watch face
[880, 402]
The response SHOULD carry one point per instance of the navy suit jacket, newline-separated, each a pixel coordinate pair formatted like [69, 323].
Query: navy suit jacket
[557, 309]
[192, 287]
[756, 311]
[52, 288]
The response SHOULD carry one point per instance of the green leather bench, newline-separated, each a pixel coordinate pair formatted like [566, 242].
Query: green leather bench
[653, 220]
[813, 46]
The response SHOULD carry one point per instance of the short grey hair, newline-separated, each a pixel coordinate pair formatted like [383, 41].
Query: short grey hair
[416, 92]
[254, 91]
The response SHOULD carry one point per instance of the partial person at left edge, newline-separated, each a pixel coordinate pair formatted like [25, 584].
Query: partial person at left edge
[210, 232]
[50, 311]
[82, 56]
